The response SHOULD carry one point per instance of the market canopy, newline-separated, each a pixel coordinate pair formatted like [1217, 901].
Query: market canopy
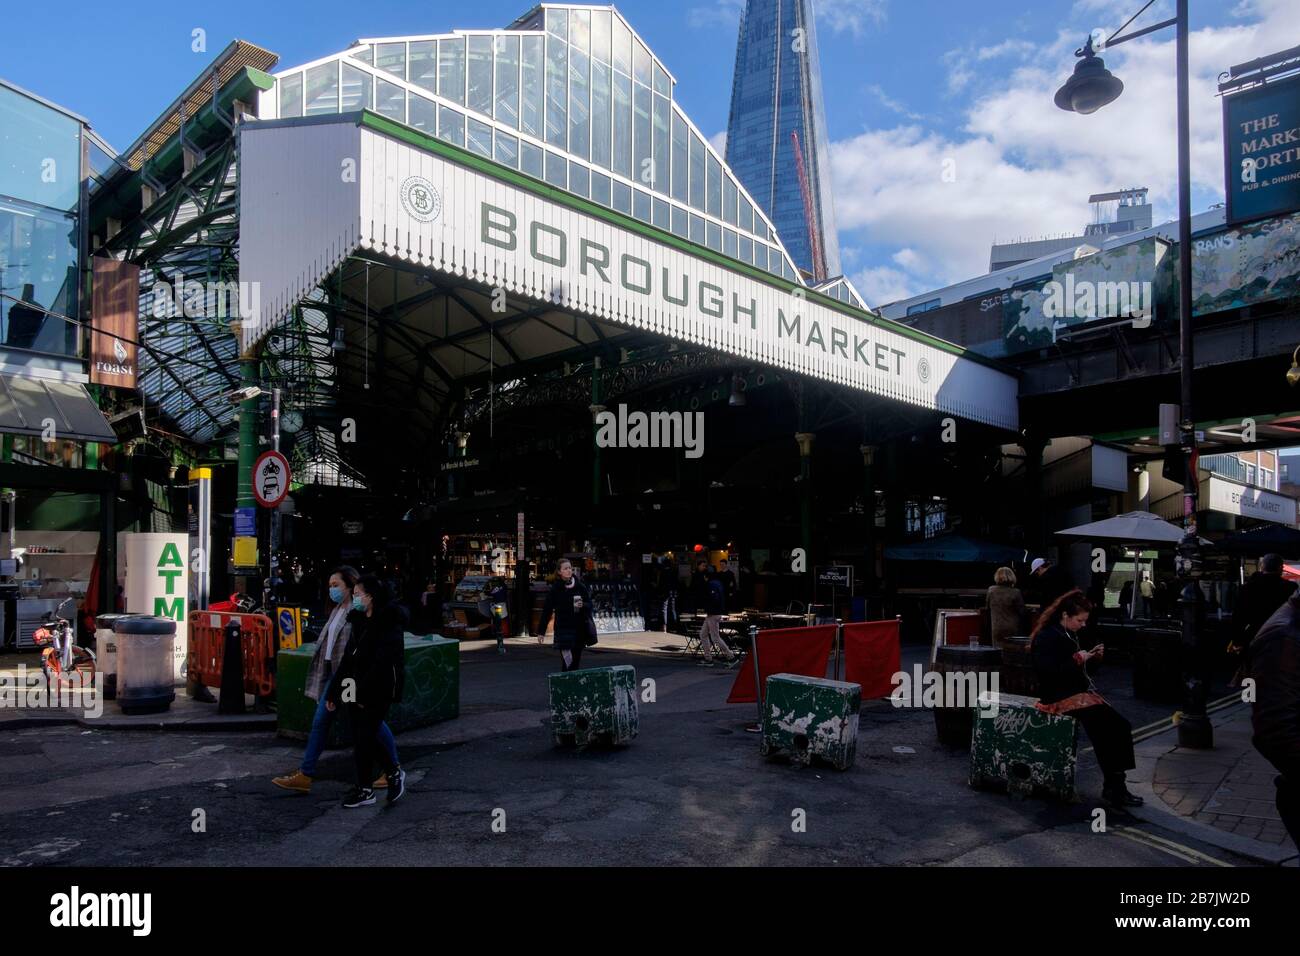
[1266, 539]
[493, 272]
[1135, 527]
[956, 547]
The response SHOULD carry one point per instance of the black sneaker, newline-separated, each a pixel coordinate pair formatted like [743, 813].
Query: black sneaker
[396, 786]
[361, 797]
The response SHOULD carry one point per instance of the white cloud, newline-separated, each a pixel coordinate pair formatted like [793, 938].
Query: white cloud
[1021, 168]
[719, 142]
[851, 16]
[909, 258]
[891, 104]
[881, 284]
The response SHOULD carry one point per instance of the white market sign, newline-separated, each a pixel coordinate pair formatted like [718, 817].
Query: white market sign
[1234, 499]
[300, 219]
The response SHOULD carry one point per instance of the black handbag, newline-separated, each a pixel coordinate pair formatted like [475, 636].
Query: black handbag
[591, 632]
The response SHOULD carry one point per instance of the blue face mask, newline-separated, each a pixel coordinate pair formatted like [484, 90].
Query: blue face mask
[357, 603]
[336, 595]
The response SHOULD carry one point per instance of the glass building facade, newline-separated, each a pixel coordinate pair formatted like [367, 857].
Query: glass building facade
[776, 92]
[567, 94]
[41, 203]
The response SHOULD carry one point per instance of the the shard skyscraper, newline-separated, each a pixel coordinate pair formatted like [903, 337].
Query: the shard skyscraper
[776, 96]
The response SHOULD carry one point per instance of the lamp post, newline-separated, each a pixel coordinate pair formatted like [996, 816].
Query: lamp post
[1090, 88]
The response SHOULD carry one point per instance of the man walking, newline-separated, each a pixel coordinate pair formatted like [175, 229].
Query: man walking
[714, 599]
[1273, 661]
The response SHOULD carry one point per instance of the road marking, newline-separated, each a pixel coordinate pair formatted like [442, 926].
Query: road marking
[1169, 846]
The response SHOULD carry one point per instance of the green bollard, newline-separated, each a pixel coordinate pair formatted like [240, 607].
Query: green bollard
[596, 703]
[1017, 744]
[806, 717]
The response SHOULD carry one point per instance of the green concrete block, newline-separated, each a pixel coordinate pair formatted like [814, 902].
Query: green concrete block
[431, 692]
[806, 717]
[593, 703]
[1016, 743]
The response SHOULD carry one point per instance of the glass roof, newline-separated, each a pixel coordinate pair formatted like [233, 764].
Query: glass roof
[567, 94]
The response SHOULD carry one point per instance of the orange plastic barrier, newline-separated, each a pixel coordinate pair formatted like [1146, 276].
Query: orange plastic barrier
[789, 650]
[206, 638]
[872, 656]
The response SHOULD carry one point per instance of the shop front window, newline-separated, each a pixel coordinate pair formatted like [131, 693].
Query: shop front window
[55, 538]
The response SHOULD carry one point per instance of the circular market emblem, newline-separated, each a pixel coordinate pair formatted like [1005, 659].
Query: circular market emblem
[420, 199]
[923, 370]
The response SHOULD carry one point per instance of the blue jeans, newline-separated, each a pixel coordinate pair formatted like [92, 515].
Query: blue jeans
[320, 725]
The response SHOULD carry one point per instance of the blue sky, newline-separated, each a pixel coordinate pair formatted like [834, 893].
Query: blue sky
[910, 85]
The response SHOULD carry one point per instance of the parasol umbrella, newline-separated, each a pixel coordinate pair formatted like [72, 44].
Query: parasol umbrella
[1134, 527]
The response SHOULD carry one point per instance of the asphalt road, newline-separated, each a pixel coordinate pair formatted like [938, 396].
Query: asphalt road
[691, 789]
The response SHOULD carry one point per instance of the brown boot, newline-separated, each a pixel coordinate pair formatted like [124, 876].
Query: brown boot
[297, 781]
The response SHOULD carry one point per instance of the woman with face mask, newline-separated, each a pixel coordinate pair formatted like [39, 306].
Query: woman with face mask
[369, 681]
[1066, 688]
[330, 648]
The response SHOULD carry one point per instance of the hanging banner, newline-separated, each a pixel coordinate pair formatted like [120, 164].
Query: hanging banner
[114, 321]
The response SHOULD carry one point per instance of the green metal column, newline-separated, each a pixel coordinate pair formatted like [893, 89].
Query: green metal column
[1033, 446]
[805, 440]
[596, 409]
[247, 434]
[868, 519]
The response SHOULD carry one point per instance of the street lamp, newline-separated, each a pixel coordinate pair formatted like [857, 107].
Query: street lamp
[1091, 87]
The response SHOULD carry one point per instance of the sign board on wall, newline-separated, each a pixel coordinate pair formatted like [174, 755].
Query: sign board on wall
[1261, 146]
[158, 583]
[1238, 267]
[1234, 499]
[114, 321]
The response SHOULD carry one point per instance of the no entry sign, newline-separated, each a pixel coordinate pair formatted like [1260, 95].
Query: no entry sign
[270, 479]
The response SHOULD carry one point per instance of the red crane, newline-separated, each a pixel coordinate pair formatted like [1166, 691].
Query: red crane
[809, 212]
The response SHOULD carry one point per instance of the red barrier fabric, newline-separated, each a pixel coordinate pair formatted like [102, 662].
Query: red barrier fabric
[789, 650]
[872, 656]
[961, 628]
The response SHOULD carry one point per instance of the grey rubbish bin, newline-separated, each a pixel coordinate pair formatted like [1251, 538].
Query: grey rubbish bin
[145, 680]
[106, 653]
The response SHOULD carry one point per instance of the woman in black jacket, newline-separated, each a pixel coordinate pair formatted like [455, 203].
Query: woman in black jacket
[1065, 688]
[570, 602]
[369, 681]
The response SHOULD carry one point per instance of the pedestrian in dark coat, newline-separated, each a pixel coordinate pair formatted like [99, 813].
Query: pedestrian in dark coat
[1265, 591]
[569, 602]
[1065, 688]
[370, 681]
[1273, 660]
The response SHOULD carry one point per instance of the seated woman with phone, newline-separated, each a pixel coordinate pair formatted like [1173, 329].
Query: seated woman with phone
[1066, 688]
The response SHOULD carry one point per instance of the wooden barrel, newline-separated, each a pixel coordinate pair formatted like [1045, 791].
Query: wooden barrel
[953, 723]
[1018, 675]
